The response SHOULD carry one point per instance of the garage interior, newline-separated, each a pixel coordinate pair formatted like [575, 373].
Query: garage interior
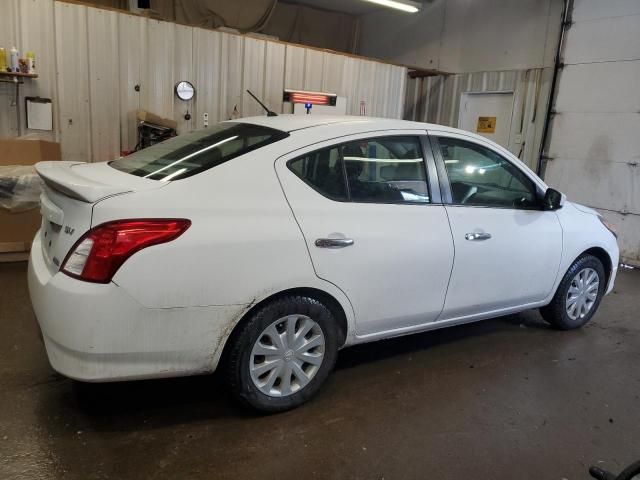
[552, 81]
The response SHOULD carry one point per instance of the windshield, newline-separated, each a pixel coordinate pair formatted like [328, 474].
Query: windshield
[192, 153]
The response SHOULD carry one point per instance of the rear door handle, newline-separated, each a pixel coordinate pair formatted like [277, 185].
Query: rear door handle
[334, 242]
[477, 236]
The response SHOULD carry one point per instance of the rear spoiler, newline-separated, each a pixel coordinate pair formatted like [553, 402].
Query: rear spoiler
[61, 177]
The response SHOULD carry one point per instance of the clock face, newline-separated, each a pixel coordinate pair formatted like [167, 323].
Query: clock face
[185, 90]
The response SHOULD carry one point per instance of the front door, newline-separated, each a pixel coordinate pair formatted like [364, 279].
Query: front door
[371, 226]
[507, 250]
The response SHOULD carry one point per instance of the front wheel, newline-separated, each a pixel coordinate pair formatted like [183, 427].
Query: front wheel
[283, 354]
[578, 295]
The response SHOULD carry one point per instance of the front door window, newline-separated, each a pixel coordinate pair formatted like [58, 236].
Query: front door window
[481, 177]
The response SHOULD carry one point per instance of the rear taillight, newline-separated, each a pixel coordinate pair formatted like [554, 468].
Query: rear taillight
[98, 255]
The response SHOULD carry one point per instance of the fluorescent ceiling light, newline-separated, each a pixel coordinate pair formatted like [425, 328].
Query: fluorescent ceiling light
[404, 5]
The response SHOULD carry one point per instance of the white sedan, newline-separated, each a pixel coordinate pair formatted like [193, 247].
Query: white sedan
[264, 245]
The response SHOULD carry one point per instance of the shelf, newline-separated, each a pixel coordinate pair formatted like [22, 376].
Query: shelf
[15, 74]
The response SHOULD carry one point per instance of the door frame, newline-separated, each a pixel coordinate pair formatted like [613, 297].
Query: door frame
[491, 92]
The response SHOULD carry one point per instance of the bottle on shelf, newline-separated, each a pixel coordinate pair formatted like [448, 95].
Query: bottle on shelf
[15, 65]
[31, 62]
[3, 60]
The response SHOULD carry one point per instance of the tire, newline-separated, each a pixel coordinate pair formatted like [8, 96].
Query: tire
[557, 313]
[259, 381]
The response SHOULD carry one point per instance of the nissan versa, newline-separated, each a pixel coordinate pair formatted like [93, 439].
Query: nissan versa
[264, 245]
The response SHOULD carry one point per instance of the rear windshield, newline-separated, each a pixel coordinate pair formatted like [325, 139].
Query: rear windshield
[192, 153]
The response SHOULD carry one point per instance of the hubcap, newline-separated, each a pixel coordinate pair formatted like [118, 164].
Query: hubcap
[583, 293]
[287, 355]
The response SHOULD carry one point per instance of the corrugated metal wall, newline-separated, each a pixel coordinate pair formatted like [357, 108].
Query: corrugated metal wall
[27, 23]
[90, 61]
[594, 146]
[437, 100]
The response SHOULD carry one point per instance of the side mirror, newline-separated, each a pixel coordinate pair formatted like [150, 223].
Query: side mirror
[553, 199]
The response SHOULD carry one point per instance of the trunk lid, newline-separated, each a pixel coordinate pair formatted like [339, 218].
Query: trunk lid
[66, 204]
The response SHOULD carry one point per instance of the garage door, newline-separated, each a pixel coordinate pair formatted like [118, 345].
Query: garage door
[594, 139]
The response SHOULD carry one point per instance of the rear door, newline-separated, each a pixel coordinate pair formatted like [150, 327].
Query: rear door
[374, 225]
[508, 249]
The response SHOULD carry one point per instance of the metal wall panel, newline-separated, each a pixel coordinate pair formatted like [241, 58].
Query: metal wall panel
[104, 84]
[599, 87]
[332, 73]
[597, 9]
[36, 34]
[132, 35]
[313, 68]
[349, 82]
[605, 135]
[72, 61]
[9, 21]
[601, 182]
[156, 93]
[294, 67]
[593, 42]
[183, 70]
[231, 92]
[207, 73]
[366, 86]
[593, 145]
[274, 75]
[253, 75]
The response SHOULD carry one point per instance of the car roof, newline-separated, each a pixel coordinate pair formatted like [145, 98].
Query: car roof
[291, 123]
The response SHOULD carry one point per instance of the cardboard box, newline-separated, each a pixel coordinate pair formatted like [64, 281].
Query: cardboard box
[149, 117]
[18, 229]
[28, 152]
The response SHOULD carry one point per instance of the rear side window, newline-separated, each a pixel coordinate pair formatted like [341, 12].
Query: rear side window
[381, 170]
[192, 153]
[324, 171]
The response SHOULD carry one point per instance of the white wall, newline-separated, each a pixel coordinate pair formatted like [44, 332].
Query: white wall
[89, 61]
[593, 145]
[460, 36]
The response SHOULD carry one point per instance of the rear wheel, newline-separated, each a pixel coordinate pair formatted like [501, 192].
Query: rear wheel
[578, 295]
[283, 354]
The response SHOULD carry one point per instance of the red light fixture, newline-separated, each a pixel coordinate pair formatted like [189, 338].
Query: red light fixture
[313, 98]
[100, 252]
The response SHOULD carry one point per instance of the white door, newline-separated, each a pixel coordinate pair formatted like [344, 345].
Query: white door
[364, 209]
[507, 250]
[487, 114]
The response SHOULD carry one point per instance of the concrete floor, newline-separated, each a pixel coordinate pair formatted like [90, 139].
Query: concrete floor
[502, 399]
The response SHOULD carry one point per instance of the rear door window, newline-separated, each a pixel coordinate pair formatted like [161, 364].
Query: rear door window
[192, 153]
[386, 170]
[380, 170]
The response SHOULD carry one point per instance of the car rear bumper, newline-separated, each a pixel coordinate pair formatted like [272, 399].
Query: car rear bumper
[97, 332]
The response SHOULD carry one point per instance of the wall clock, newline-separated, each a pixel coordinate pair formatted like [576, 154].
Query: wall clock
[185, 90]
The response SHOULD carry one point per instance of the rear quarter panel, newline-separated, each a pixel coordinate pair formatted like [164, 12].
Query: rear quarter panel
[243, 244]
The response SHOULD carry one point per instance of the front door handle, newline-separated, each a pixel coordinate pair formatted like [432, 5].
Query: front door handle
[334, 242]
[477, 236]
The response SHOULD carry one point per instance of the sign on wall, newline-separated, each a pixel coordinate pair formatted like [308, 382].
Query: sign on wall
[486, 125]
